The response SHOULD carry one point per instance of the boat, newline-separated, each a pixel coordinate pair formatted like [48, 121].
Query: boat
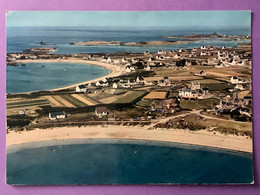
[23, 64]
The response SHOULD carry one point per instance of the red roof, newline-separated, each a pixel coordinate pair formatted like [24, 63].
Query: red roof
[101, 109]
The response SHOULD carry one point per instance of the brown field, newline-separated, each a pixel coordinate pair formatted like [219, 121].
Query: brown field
[156, 95]
[54, 102]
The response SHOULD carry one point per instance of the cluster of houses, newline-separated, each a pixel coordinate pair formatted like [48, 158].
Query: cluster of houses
[240, 84]
[242, 105]
[195, 91]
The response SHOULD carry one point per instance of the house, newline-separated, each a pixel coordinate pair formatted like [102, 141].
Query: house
[161, 51]
[139, 80]
[239, 86]
[56, 115]
[128, 70]
[202, 73]
[81, 88]
[124, 60]
[195, 85]
[101, 84]
[146, 53]
[188, 94]
[234, 80]
[147, 68]
[203, 47]
[131, 81]
[101, 111]
[134, 60]
[115, 85]
[106, 59]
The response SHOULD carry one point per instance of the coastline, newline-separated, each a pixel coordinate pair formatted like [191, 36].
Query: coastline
[201, 138]
[116, 70]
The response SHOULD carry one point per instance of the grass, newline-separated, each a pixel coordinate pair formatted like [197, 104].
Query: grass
[198, 104]
[218, 87]
[27, 104]
[223, 126]
[208, 81]
[131, 97]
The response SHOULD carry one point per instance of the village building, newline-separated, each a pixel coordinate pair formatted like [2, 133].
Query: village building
[147, 68]
[146, 52]
[195, 85]
[101, 84]
[140, 79]
[161, 51]
[56, 115]
[101, 111]
[81, 88]
[106, 59]
[188, 94]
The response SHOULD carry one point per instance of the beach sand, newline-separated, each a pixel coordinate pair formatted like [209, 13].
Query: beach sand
[203, 138]
[116, 70]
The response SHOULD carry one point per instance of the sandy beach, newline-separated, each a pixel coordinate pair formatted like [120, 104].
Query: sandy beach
[202, 138]
[116, 70]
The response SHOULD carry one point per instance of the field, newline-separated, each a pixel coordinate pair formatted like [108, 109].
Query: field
[130, 97]
[198, 104]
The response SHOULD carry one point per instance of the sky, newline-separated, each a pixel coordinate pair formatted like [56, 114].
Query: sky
[240, 19]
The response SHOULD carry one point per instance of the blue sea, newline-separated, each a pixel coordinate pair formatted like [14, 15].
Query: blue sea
[42, 76]
[21, 38]
[115, 161]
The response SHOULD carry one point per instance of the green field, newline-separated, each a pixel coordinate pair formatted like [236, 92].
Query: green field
[73, 101]
[198, 104]
[208, 81]
[27, 103]
[131, 97]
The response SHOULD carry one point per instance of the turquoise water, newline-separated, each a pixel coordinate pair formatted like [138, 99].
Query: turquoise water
[114, 161]
[44, 76]
[21, 38]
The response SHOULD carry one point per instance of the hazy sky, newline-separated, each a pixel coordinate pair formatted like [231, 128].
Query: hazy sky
[140, 18]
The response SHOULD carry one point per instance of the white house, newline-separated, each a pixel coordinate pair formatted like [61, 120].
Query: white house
[101, 84]
[81, 88]
[234, 79]
[195, 85]
[128, 69]
[146, 53]
[56, 115]
[115, 85]
[203, 47]
[147, 68]
[161, 51]
[188, 93]
[139, 80]
[239, 86]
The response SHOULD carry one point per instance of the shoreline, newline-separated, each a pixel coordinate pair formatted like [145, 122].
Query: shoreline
[201, 138]
[116, 70]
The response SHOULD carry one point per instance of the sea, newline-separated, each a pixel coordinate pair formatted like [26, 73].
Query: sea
[117, 161]
[110, 161]
[30, 77]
